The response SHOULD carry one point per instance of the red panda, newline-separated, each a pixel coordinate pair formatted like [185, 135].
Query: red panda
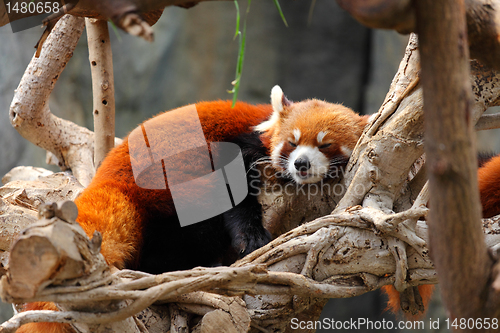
[307, 139]
[130, 200]
[140, 226]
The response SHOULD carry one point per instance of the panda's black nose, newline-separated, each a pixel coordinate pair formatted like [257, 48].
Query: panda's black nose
[302, 163]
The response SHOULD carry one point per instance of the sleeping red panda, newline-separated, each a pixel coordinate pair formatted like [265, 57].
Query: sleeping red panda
[130, 200]
[305, 140]
[140, 230]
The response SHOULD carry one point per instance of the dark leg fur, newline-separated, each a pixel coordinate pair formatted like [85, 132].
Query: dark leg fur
[169, 247]
[244, 224]
[217, 241]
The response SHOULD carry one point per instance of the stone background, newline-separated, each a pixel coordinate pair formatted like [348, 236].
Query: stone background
[193, 58]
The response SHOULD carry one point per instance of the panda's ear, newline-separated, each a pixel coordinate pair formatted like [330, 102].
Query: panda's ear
[280, 104]
[278, 99]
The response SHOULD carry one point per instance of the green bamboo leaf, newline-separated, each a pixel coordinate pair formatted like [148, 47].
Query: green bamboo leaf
[237, 19]
[242, 43]
[115, 30]
[277, 4]
[239, 65]
[241, 52]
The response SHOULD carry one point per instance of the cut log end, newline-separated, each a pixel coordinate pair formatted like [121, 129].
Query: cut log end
[50, 252]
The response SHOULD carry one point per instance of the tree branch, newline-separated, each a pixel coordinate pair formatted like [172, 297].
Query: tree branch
[345, 274]
[488, 121]
[134, 16]
[483, 23]
[72, 145]
[103, 87]
[455, 232]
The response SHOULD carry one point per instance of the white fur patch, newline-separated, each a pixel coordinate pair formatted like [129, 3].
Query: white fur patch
[347, 152]
[276, 154]
[267, 125]
[296, 135]
[277, 103]
[320, 164]
[321, 136]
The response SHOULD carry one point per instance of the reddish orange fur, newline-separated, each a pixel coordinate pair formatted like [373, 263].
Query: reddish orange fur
[114, 205]
[393, 303]
[113, 199]
[489, 187]
[344, 126]
[489, 190]
[43, 327]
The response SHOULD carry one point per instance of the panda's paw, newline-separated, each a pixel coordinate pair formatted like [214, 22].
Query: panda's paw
[251, 241]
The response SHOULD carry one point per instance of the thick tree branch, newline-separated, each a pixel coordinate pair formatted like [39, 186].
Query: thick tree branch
[29, 111]
[488, 121]
[134, 16]
[483, 22]
[72, 145]
[399, 126]
[340, 275]
[459, 251]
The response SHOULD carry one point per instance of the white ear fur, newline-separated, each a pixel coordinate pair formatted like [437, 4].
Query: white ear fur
[277, 104]
[277, 99]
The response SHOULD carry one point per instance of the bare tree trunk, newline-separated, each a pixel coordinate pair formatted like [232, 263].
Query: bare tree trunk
[103, 87]
[456, 241]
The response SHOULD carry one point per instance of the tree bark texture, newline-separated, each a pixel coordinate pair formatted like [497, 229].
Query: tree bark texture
[134, 16]
[29, 111]
[103, 87]
[483, 23]
[30, 115]
[456, 241]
